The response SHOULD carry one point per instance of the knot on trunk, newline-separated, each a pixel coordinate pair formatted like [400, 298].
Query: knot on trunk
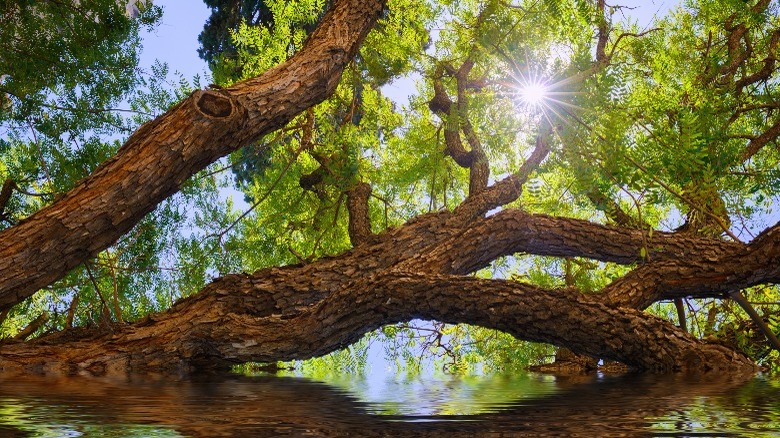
[214, 105]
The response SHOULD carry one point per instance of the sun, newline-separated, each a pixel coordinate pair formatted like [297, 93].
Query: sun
[532, 94]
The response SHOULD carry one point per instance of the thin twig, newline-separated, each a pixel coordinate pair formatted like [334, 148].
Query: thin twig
[263, 198]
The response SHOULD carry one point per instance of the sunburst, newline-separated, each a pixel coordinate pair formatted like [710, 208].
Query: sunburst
[532, 94]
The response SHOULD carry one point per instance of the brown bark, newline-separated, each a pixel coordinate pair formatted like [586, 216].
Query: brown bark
[700, 274]
[405, 273]
[514, 231]
[264, 317]
[359, 219]
[455, 117]
[163, 153]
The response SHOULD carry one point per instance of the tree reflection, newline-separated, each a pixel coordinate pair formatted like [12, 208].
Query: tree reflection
[273, 406]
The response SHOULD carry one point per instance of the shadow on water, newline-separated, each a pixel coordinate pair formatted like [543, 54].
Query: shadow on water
[485, 406]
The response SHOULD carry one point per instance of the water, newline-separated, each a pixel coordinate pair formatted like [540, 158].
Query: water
[447, 406]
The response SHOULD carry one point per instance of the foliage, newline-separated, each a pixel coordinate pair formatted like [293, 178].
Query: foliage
[65, 67]
[73, 91]
[226, 16]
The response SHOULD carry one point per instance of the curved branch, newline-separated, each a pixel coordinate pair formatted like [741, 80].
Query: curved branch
[514, 231]
[508, 189]
[700, 275]
[757, 143]
[245, 318]
[455, 116]
[165, 152]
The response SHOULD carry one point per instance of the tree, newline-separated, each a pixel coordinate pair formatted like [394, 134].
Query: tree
[226, 16]
[631, 95]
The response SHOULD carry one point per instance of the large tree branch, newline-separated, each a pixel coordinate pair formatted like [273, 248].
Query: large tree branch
[674, 265]
[165, 152]
[246, 318]
[513, 231]
[700, 275]
[310, 310]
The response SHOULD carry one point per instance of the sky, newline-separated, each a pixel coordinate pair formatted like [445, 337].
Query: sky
[175, 40]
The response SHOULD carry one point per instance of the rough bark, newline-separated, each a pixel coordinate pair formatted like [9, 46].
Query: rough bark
[406, 273]
[456, 119]
[262, 317]
[514, 231]
[700, 274]
[401, 274]
[157, 159]
[359, 219]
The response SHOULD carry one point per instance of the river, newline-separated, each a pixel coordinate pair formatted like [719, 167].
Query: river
[389, 405]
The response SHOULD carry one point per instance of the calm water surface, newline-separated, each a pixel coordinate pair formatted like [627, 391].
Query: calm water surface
[499, 405]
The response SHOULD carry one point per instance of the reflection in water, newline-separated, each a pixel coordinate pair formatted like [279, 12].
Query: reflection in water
[437, 395]
[360, 406]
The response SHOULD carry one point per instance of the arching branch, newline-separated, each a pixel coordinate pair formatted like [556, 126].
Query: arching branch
[508, 189]
[246, 318]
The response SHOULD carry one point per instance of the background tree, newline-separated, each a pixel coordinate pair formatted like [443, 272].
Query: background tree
[216, 44]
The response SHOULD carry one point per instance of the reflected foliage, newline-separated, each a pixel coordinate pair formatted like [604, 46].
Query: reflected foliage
[431, 406]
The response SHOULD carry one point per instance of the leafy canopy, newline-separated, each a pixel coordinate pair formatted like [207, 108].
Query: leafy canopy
[667, 127]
